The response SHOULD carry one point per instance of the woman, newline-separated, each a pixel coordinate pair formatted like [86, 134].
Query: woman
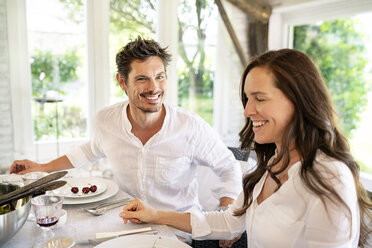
[305, 191]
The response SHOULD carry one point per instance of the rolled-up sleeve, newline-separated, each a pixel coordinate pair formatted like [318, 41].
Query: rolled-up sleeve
[210, 151]
[86, 154]
[217, 224]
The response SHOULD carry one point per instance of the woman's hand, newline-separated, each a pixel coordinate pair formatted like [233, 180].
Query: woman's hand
[137, 212]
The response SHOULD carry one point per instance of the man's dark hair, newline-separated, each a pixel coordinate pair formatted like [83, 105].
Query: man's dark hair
[139, 49]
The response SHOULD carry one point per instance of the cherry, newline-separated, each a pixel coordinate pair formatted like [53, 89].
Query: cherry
[93, 188]
[85, 190]
[74, 190]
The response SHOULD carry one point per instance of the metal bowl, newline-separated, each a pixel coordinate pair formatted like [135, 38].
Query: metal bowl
[11, 222]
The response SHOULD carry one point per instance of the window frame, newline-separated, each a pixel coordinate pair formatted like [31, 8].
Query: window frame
[284, 18]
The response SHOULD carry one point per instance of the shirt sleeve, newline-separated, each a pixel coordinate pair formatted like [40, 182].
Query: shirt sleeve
[217, 224]
[86, 154]
[334, 226]
[210, 151]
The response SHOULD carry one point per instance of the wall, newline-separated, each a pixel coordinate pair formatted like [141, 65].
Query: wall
[228, 118]
[6, 129]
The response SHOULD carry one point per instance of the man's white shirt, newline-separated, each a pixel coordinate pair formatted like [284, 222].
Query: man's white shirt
[163, 171]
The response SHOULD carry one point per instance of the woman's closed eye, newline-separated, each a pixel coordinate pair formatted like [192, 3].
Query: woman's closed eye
[260, 99]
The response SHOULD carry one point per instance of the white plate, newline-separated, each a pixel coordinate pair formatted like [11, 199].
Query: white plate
[142, 241]
[65, 191]
[112, 189]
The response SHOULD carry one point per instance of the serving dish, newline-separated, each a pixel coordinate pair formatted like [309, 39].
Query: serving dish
[11, 222]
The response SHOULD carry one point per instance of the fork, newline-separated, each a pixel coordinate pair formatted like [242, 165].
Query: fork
[103, 207]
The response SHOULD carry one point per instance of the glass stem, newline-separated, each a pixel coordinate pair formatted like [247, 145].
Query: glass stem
[47, 234]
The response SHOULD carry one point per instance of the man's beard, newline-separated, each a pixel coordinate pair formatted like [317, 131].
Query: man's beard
[145, 110]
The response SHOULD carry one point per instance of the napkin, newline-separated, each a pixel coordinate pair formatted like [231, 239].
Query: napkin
[124, 232]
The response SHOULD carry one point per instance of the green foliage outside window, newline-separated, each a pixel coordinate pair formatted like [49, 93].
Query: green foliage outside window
[338, 48]
[204, 101]
[55, 72]
[52, 71]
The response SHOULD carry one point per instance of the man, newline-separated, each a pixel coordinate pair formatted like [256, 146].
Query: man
[153, 148]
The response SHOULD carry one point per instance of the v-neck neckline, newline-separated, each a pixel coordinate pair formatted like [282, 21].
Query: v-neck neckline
[128, 126]
[262, 181]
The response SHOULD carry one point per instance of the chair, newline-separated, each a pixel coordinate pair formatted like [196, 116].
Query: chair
[242, 242]
[239, 154]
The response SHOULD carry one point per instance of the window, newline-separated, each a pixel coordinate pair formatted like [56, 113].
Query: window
[197, 57]
[56, 45]
[309, 17]
[341, 49]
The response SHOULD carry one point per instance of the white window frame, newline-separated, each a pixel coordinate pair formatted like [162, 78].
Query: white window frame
[284, 18]
[167, 35]
[97, 12]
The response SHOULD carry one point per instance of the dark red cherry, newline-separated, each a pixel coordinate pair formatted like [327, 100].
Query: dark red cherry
[85, 190]
[93, 188]
[74, 190]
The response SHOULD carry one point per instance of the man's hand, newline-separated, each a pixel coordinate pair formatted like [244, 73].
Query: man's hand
[137, 212]
[225, 201]
[25, 166]
[228, 243]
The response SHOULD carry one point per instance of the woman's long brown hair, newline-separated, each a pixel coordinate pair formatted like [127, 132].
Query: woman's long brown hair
[313, 128]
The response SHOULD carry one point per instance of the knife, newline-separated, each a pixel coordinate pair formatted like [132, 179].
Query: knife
[34, 191]
[37, 183]
[97, 241]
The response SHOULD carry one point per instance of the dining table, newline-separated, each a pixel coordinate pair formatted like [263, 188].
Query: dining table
[82, 226]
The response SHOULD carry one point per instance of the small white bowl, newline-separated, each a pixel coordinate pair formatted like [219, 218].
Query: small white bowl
[33, 176]
[62, 218]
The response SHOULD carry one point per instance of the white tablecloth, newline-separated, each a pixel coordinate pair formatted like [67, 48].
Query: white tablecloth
[83, 226]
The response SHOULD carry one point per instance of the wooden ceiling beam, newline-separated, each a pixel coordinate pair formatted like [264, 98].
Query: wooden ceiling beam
[254, 9]
[230, 30]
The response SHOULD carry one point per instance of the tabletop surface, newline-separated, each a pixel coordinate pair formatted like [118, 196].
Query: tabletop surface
[81, 225]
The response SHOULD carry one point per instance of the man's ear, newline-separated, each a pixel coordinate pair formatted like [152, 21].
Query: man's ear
[121, 82]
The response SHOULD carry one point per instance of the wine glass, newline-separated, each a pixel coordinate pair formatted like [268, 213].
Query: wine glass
[30, 178]
[47, 210]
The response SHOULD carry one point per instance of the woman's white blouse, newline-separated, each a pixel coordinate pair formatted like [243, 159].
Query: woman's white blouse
[291, 217]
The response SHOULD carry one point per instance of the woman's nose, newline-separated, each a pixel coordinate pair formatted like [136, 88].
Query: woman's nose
[250, 109]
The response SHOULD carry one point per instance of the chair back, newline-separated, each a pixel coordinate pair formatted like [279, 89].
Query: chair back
[239, 154]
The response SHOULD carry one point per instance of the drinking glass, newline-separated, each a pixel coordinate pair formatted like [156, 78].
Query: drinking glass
[47, 209]
[30, 178]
